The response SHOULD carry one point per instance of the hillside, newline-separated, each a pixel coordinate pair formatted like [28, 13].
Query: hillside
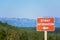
[8, 32]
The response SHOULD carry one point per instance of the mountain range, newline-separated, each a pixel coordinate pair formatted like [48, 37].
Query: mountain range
[25, 22]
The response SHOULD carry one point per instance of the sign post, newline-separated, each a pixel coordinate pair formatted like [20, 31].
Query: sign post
[45, 24]
[45, 35]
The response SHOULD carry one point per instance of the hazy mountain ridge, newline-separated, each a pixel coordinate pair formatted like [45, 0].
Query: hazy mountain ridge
[57, 22]
[25, 22]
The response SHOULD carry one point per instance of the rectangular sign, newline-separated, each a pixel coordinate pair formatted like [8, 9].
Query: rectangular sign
[45, 24]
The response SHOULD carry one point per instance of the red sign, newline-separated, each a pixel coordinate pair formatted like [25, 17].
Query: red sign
[45, 24]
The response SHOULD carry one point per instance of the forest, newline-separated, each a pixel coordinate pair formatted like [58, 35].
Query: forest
[9, 32]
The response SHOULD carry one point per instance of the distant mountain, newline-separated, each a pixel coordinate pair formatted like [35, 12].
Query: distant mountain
[24, 22]
[57, 22]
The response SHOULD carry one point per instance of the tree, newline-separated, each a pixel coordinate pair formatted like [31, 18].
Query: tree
[3, 34]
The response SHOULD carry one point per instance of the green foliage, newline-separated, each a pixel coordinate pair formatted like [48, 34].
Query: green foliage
[3, 34]
[8, 32]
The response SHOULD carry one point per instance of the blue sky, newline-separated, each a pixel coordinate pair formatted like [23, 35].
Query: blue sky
[29, 8]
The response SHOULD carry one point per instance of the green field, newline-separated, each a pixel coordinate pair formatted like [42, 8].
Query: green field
[8, 32]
